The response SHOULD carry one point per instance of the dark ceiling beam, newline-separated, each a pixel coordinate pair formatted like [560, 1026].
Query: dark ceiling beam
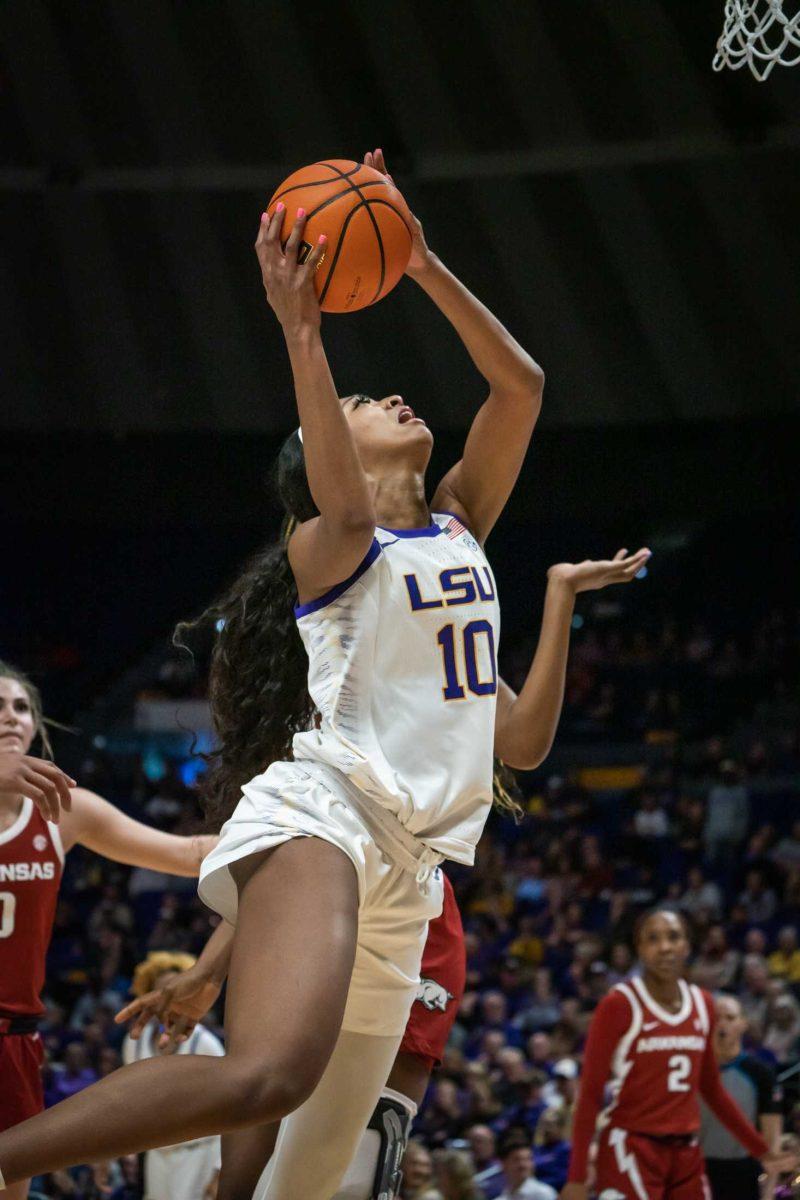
[434, 167]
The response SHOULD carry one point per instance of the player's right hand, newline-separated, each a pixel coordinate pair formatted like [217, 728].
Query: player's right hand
[289, 284]
[42, 782]
[420, 254]
[178, 1005]
[575, 1191]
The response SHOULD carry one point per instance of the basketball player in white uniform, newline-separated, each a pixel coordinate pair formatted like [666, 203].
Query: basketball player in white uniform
[328, 864]
[179, 1003]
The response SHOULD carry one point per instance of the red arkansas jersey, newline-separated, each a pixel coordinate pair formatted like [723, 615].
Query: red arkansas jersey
[644, 1069]
[31, 862]
[656, 1066]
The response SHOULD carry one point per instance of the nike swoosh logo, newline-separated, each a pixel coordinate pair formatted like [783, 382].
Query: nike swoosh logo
[650, 1025]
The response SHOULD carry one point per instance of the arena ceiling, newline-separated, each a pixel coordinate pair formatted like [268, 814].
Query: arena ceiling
[631, 215]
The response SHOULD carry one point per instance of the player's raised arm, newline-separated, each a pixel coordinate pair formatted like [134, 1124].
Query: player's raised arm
[525, 724]
[101, 827]
[326, 549]
[479, 485]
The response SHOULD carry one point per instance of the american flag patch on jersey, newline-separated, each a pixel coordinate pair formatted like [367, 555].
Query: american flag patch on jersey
[454, 528]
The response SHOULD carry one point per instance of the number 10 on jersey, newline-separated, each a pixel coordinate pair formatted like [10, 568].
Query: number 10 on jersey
[473, 637]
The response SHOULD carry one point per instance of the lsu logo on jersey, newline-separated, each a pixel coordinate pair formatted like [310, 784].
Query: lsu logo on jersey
[457, 585]
[433, 995]
[24, 872]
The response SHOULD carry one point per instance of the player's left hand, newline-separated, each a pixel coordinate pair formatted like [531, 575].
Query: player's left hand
[178, 1005]
[420, 254]
[588, 576]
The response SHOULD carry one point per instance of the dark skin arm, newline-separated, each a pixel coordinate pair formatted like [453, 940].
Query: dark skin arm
[327, 549]
[525, 724]
[478, 486]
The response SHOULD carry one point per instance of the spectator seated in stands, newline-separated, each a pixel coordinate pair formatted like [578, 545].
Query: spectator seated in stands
[702, 898]
[716, 965]
[785, 961]
[417, 1172]
[551, 1148]
[488, 1168]
[520, 1174]
[455, 1176]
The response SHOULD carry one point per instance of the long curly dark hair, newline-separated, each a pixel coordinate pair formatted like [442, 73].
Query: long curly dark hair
[258, 680]
[258, 687]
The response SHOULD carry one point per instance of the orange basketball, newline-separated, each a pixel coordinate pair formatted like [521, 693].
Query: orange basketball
[367, 224]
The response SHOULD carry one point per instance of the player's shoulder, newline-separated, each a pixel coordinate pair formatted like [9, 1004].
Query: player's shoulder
[87, 808]
[704, 1003]
[618, 1004]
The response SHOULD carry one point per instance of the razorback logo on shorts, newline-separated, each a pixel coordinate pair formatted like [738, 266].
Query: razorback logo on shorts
[433, 995]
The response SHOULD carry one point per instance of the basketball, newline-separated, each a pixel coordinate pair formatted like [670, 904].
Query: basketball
[367, 224]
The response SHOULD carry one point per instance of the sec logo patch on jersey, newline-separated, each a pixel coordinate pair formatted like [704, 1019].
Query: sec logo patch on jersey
[40, 842]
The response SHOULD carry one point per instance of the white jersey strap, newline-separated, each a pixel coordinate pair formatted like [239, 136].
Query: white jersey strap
[703, 1015]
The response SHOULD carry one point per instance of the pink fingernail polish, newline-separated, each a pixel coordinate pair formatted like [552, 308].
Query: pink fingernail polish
[301, 212]
[280, 206]
[323, 237]
[263, 216]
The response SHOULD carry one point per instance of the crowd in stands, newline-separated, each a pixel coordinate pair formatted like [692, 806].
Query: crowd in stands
[703, 819]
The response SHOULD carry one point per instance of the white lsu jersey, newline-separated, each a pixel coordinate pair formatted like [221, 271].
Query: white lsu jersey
[403, 671]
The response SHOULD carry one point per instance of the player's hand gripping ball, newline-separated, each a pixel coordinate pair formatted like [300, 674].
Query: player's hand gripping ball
[367, 224]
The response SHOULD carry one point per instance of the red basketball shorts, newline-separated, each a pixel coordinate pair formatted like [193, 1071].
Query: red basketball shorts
[633, 1167]
[442, 977]
[21, 1058]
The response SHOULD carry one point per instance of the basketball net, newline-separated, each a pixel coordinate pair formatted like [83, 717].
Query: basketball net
[758, 34]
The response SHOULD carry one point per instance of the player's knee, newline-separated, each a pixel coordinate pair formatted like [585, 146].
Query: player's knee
[264, 1090]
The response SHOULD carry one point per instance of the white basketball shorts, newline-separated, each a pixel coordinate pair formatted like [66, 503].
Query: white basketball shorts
[399, 884]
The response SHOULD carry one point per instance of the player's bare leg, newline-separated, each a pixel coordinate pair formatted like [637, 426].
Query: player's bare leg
[290, 972]
[17, 1191]
[245, 1153]
[317, 1141]
[410, 1076]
